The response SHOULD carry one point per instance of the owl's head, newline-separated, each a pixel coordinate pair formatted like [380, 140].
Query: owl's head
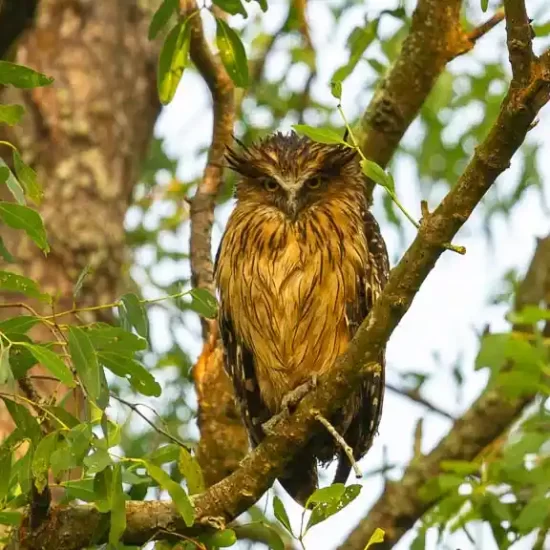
[292, 173]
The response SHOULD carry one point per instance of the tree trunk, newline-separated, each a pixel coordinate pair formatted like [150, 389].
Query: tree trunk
[85, 135]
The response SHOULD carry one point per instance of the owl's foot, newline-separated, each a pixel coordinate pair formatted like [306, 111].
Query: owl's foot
[289, 403]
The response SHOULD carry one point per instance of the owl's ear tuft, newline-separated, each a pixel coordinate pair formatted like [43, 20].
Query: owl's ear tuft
[339, 157]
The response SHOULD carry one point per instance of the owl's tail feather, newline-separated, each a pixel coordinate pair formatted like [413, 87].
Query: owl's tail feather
[343, 469]
[300, 477]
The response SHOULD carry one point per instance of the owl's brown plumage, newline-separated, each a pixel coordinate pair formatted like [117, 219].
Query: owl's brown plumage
[299, 266]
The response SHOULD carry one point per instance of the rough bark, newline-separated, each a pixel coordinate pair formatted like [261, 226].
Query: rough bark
[85, 136]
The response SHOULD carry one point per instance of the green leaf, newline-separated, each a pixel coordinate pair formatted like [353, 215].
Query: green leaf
[135, 313]
[533, 515]
[462, 467]
[13, 185]
[6, 375]
[98, 461]
[11, 114]
[326, 494]
[11, 517]
[116, 339]
[329, 501]
[529, 315]
[322, 135]
[22, 217]
[126, 367]
[161, 17]
[358, 41]
[21, 359]
[232, 53]
[12, 282]
[24, 420]
[263, 4]
[82, 489]
[164, 454]
[173, 59]
[484, 5]
[280, 513]
[234, 7]
[51, 361]
[85, 361]
[21, 77]
[204, 303]
[179, 496]
[118, 507]
[19, 324]
[190, 469]
[64, 418]
[376, 538]
[102, 488]
[27, 177]
[220, 539]
[41, 460]
[5, 468]
[376, 173]
[5, 253]
[336, 89]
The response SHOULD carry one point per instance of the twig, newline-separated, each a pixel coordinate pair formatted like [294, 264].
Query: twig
[415, 396]
[520, 41]
[475, 34]
[135, 409]
[417, 446]
[341, 441]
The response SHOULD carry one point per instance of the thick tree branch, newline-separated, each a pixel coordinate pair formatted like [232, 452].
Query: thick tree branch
[435, 38]
[519, 39]
[488, 418]
[237, 492]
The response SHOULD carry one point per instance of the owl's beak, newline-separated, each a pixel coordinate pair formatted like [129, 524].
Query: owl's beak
[292, 205]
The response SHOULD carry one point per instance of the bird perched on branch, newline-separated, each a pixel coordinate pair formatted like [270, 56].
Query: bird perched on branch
[300, 264]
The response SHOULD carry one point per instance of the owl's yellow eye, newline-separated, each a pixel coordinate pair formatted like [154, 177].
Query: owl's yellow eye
[270, 184]
[314, 183]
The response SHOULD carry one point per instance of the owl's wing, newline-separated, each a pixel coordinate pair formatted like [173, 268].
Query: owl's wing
[366, 408]
[239, 365]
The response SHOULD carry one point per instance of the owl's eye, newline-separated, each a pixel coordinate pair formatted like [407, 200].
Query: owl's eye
[270, 184]
[314, 183]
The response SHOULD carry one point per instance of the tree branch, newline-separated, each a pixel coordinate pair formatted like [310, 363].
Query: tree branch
[519, 40]
[233, 495]
[223, 441]
[399, 506]
[203, 203]
[414, 395]
[435, 38]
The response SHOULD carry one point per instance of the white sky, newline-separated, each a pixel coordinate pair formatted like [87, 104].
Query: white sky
[450, 309]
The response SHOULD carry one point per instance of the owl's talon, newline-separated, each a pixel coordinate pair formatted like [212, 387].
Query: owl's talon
[289, 403]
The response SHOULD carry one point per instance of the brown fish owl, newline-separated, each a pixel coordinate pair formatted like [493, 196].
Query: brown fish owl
[301, 262]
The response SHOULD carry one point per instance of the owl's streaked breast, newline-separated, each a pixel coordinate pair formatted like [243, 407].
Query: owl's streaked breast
[286, 286]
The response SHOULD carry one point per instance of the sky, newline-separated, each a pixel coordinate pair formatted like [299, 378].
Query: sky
[452, 307]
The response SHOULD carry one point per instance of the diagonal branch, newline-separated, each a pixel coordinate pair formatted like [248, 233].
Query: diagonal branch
[236, 493]
[519, 40]
[399, 506]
